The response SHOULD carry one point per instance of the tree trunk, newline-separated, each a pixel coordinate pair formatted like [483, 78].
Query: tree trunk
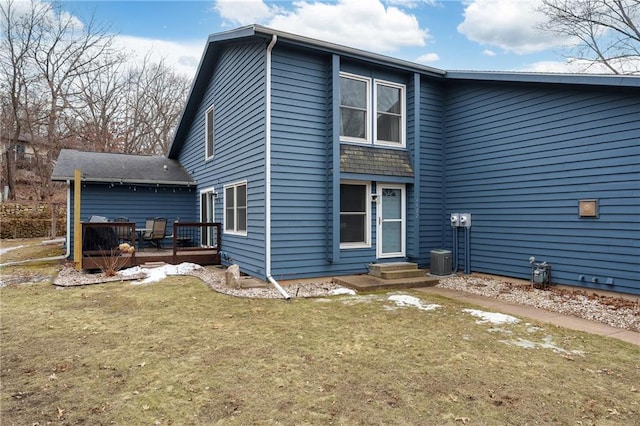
[9, 161]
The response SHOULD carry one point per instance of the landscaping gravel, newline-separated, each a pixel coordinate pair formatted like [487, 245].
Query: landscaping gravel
[618, 312]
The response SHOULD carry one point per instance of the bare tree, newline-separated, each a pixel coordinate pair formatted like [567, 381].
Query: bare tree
[45, 53]
[65, 85]
[155, 97]
[101, 104]
[606, 32]
[19, 36]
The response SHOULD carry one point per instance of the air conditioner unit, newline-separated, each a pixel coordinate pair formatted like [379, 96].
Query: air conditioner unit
[440, 262]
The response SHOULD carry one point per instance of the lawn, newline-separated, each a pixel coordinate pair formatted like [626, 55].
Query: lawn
[176, 352]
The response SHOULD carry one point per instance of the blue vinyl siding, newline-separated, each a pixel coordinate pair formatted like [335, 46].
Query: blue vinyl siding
[237, 91]
[300, 110]
[431, 169]
[145, 201]
[519, 159]
[302, 200]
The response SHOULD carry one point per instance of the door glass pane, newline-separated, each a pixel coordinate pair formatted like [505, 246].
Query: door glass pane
[391, 237]
[391, 204]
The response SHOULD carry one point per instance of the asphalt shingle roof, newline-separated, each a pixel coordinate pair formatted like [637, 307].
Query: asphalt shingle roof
[126, 168]
[377, 161]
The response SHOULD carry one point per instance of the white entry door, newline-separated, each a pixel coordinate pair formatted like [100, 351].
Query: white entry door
[391, 221]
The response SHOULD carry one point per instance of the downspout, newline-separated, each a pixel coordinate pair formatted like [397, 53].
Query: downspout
[267, 192]
[68, 252]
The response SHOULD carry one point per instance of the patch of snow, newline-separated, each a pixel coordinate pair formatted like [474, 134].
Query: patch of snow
[159, 273]
[5, 250]
[492, 317]
[341, 291]
[547, 343]
[403, 300]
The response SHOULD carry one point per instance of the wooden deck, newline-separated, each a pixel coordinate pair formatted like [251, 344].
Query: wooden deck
[201, 257]
[184, 246]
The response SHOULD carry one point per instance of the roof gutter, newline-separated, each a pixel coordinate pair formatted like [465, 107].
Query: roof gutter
[267, 195]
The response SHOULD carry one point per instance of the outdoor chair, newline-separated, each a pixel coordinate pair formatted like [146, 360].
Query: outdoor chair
[157, 232]
[145, 233]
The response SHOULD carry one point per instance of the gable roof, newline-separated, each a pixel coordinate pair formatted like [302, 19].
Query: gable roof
[216, 41]
[256, 32]
[125, 168]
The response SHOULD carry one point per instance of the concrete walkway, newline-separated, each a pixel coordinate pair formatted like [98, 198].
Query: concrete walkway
[540, 315]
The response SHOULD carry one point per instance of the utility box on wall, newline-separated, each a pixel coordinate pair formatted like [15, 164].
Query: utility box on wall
[440, 262]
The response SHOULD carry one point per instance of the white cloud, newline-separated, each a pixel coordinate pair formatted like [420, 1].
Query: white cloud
[182, 57]
[508, 24]
[366, 24]
[410, 4]
[488, 52]
[428, 58]
[244, 12]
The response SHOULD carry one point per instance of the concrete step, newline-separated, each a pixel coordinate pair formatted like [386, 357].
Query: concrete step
[402, 273]
[363, 283]
[376, 269]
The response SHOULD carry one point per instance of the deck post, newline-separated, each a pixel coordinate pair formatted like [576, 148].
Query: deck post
[77, 226]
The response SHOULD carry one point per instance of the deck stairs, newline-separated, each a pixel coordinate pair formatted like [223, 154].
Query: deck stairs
[396, 275]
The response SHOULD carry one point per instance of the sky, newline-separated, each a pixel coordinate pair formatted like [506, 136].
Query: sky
[479, 35]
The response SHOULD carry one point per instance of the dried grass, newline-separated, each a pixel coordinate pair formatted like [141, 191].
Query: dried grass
[176, 352]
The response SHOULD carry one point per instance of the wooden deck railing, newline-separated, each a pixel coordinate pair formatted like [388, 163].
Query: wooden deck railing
[196, 236]
[195, 242]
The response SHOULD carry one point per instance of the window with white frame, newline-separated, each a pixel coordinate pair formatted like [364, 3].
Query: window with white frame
[209, 133]
[355, 227]
[235, 208]
[381, 121]
[354, 108]
[389, 113]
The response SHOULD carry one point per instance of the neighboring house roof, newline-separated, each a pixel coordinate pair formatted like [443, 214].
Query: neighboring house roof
[377, 161]
[125, 168]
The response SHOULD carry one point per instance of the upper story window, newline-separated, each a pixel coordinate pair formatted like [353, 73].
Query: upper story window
[354, 108]
[209, 134]
[390, 114]
[381, 121]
